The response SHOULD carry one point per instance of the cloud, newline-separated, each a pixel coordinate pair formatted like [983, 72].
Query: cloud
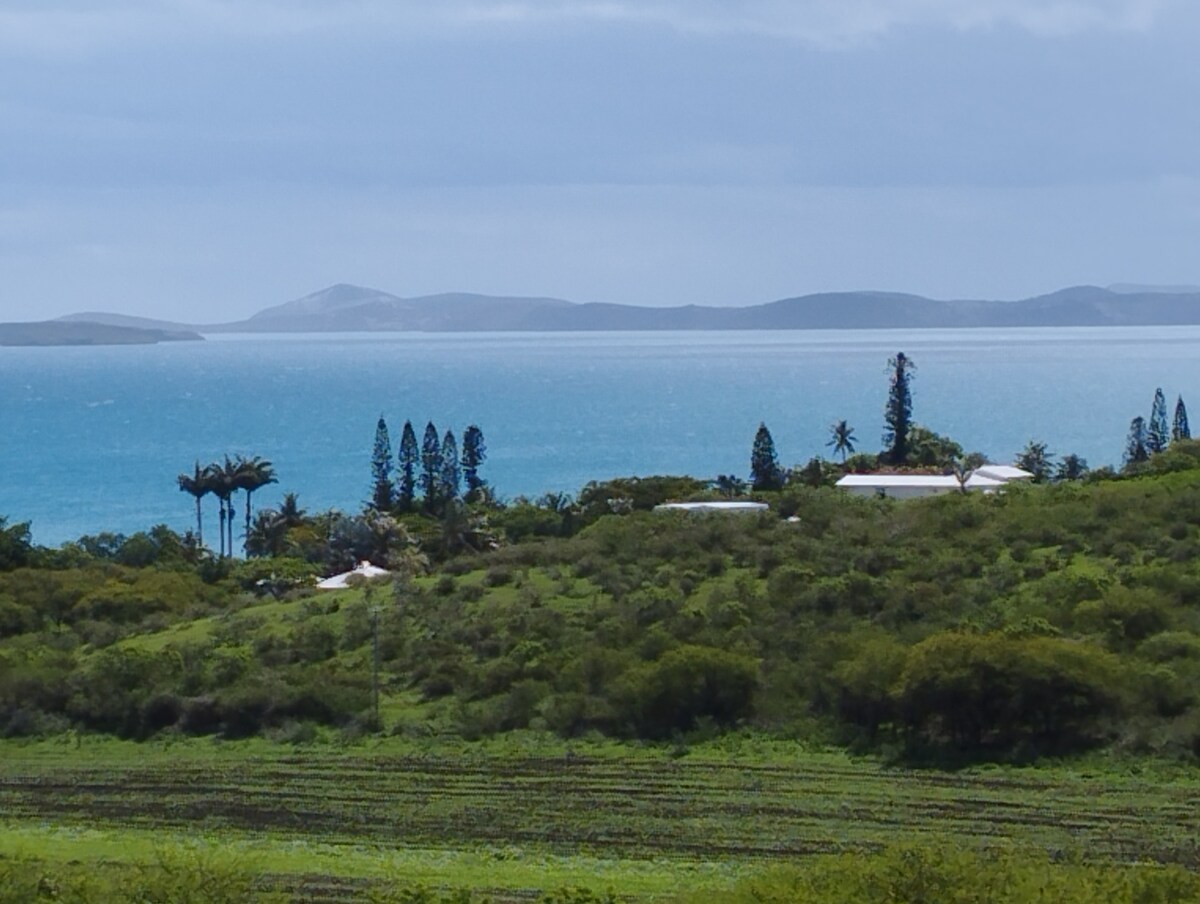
[63, 26]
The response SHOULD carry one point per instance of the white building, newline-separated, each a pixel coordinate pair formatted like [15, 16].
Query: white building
[711, 507]
[985, 479]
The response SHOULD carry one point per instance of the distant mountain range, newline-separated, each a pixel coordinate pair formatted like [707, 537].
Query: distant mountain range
[347, 308]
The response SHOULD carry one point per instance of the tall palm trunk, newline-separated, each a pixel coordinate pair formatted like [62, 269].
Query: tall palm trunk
[199, 523]
[222, 527]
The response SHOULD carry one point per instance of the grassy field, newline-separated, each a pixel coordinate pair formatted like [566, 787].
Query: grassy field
[516, 817]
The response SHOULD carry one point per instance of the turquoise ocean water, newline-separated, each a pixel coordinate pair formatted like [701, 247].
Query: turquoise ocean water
[93, 438]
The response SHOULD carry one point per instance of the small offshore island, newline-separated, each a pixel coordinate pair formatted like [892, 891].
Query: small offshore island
[80, 332]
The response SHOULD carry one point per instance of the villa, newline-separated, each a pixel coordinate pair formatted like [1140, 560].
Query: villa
[985, 479]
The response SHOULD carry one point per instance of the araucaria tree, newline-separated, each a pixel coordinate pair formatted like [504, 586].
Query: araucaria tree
[1180, 429]
[474, 451]
[765, 473]
[1157, 436]
[431, 467]
[897, 415]
[383, 492]
[449, 478]
[410, 457]
[1135, 446]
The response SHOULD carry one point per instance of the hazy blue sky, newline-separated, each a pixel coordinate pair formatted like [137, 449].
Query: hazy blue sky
[200, 159]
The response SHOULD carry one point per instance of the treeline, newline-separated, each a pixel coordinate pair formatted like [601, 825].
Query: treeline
[907, 445]
[432, 474]
[1044, 621]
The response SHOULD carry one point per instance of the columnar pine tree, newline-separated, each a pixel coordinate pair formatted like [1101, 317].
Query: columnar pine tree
[1135, 446]
[1180, 429]
[1157, 435]
[765, 473]
[431, 467]
[383, 491]
[449, 477]
[409, 459]
[474, 451]
[897, 415]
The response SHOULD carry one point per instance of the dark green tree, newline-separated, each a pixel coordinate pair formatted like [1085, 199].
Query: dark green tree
[1180, 429]
[765, 473]
[729, 485]
[1072, 467]
[474, 452]
[410, 457]
[290, 511]
[249, 475]
[198, 485]
[220, 477]
[431, 467]
[449, 476]
[1136, 450]
[897, 414]
[1157, 434]
[383, 491]
[1037, 460]
[841, 439]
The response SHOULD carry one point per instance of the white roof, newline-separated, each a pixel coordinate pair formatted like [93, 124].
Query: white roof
[363, 570]
[1004, 472]
[712, 506]
[918, 481]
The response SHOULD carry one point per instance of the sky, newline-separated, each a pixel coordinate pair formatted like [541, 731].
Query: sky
[198, 160]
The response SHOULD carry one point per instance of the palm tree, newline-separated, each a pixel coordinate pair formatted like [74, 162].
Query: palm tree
[267, 536]
[841, 438]
[198, 485]
[221, 479]
[250, 474]
[290, 511]
[730, 485]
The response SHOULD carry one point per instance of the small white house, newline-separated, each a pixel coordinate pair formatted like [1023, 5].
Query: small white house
[711, 507]
[986, 479]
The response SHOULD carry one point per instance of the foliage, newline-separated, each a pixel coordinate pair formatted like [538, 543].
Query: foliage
[1037, 460]
[1137, 447]
[765, 473]
[383, 491]
[1179, 424]
[474, 453]
[897, 414]
[1157, 432]
[408, 460]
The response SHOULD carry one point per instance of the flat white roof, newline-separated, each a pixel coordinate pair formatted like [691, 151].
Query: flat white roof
[917, 481]
[712, 506]
[1004, 472]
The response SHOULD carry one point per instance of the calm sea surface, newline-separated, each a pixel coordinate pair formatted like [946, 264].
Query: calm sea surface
[93, 438]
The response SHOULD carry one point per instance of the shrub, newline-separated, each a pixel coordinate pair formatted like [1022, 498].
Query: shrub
[687, 684]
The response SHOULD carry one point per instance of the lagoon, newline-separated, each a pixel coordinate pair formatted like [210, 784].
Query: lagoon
[93, 437]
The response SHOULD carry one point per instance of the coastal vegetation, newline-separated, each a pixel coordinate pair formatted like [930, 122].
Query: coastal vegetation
[611, 702]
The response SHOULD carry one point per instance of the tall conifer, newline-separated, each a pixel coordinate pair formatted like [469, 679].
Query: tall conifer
[765, 473]
[474, 451]
[1135, 446]
[897, 415]
[1180, 429]
[431, 467]
[1157, 435]
[383, 491]
[410, 456]
[449, 478]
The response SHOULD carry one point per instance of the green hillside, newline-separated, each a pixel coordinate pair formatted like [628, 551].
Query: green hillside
[1044, 621]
